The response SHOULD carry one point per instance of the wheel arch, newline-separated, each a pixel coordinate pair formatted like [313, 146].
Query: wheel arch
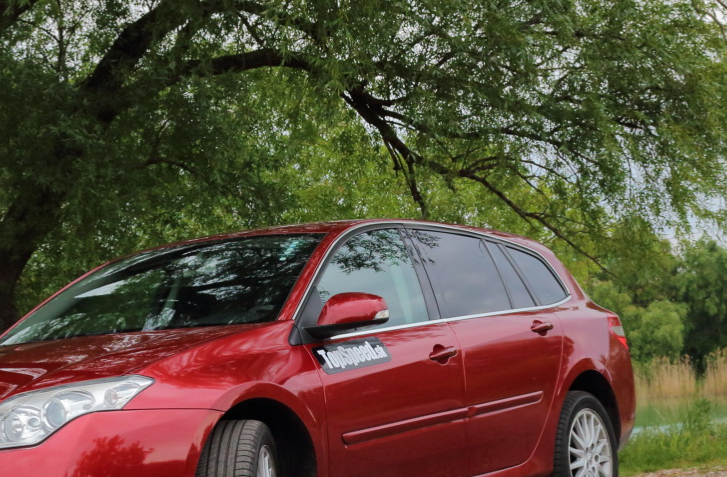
[595, 383]
[295, 444]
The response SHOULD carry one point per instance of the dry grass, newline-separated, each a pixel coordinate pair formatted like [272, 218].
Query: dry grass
[669, 393]
[665, 379]
[715, 380]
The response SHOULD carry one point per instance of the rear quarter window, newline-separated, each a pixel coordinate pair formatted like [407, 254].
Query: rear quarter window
[540, 277]
[519, 293]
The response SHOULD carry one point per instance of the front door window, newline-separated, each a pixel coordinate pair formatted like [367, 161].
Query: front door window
[376, 262]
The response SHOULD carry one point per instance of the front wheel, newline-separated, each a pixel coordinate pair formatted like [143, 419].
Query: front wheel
[585, 443]
[239, 449]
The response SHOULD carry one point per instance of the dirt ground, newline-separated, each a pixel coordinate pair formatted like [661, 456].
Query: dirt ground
[714, 472]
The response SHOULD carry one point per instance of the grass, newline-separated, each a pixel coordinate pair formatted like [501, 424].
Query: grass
[665, 389]
[697, 441]
[695, 411]
[715, 381]
[663, 378]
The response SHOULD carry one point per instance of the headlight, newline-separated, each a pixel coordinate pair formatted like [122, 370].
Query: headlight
[28, 418]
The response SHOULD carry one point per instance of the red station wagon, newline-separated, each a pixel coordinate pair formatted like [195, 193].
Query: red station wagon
[344, 349]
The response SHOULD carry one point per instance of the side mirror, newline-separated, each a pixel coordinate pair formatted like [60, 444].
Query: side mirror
[348, 311]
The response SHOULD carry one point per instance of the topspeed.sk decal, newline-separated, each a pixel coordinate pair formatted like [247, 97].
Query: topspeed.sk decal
[353, 354]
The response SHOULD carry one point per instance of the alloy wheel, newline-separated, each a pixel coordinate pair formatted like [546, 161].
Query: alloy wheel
[266, 463]
[589, 446]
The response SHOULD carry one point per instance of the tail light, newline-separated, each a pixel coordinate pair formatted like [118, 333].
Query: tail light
[614, 324]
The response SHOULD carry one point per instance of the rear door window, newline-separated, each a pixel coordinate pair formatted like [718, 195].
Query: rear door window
[462, 272]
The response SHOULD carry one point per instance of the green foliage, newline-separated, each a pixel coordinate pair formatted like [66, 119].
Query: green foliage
[672, 303]
[703, 287]
[659, 330]
[696, 441]
[656, 330]
[128, 124]
[644, 262]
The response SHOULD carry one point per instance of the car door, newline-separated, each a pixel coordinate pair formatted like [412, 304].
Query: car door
[511, 358]
[394, 394]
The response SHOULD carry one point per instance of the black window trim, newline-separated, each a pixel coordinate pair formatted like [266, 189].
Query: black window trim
[483, 243]
[504, 243]
[488, 244]
[295, 337]
[525, 280]
[430, 298]
[503, 249]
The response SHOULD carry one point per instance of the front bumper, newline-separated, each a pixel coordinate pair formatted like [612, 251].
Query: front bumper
[138, 443]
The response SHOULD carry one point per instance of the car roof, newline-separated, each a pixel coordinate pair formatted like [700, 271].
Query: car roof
[338, 227]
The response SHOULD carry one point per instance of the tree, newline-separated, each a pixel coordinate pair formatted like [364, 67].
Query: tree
[654, 331]
[130, 119]
[640, 288]
[702, 287]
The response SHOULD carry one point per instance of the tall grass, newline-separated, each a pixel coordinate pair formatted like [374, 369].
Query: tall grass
[663, 378]
[715, 380]
[696, 441]
[690, 411]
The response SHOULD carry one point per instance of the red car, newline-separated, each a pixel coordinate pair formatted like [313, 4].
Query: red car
[360, 348]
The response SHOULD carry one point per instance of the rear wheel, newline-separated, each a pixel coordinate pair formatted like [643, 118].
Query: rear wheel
[239, 449]
[585, 444]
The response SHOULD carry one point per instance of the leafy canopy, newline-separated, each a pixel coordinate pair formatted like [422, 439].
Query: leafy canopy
[125, 124]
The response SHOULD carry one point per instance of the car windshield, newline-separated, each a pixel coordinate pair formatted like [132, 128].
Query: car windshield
[244, 280]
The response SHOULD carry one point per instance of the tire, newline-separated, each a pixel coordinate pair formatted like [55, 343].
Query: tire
[585, 443]
[239, 449]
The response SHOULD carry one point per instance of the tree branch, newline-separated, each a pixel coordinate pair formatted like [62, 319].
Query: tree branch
[131, 45]
[299, 23]
[717, 18]
[371, 111]
[134, 41]
[262, 58]
[265, 57]
[539, 218]
[159, 160]
[372, 114]
[104, 85]
[11, 10]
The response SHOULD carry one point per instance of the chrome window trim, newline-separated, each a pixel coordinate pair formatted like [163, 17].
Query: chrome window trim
[447, 320]
[347, 233]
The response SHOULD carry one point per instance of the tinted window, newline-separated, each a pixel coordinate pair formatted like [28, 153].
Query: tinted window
[464, 276]
[376, 262]
[240, 281]
[541, 279]
[519, 294]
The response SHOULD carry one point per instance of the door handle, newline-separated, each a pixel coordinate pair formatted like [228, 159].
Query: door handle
[441, 354]
[541, 327]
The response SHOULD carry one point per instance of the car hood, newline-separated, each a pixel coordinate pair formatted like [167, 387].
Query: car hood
[30, 366]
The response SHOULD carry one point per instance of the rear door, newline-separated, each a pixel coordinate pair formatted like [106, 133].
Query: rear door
[510, 343]
[399, 410]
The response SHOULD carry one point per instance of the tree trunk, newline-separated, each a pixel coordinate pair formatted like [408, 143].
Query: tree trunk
[9, 276]
[28, 221]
